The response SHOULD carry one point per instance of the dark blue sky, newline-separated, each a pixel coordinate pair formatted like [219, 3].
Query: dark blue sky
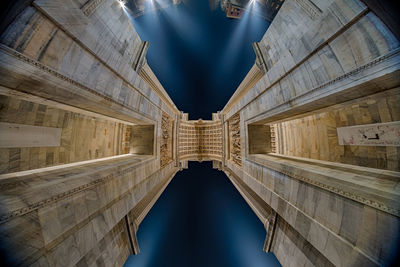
[200, 57]
[201, 220]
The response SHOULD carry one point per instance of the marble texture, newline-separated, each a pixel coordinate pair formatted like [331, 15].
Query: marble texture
[80, 66]
[330, 63]
[68, 64]
[82, 137]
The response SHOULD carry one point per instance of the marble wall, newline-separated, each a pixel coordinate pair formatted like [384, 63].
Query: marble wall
[82, 137]
[329, 63]
[315, 136]
[76, 65]
[326, 63]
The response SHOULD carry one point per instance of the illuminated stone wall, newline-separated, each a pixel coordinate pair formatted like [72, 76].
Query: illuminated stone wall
[80, 67]
[326, 64]
[200, 140]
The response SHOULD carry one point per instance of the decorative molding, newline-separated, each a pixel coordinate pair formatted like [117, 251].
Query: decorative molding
[140, 58]
[309, 55]
[260, 60]
[366, 66]
[270, 226]
[152, 197]
[312, 10]
[274, 138]
[176, 144]
[200, 157]
[244, 191]
[150, 78]
[235, 152]
[131, 229]
[55, 73]
[200, 140]
[40, 204]
[136, 215]
[97, 56]
[90, 7]
[305, 175]
[47, 247]
[352, 72]
[166, 148]
[251, 79]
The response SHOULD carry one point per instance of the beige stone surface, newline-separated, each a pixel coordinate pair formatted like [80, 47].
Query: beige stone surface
[200, 140]
[82, 137]
[329, 64]
[68, 64]
[80, 66]
[22, 135]
[315, 136]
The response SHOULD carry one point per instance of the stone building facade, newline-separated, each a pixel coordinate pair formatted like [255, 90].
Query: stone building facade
[90, 139]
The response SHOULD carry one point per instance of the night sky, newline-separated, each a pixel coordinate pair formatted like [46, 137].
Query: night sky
[201, 220]
[200, 57]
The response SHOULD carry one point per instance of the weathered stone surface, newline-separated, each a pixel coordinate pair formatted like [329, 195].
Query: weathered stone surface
[235, 151]
[166, 150]
[329, 64]
[68, 64]
[315, 136]
[80, 66]
[200, 140]
[82, 137]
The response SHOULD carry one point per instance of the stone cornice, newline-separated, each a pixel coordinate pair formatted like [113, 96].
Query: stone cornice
[90, 7]
[93, 53]
[150, 78]
[345, 186]
[251, 79]
[272, 199]
[200, 157]
[393, 55]
[143, 207]
[19, 56]
[304, 59]
[89, 168]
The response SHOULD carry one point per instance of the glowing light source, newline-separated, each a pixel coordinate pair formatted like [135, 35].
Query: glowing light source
[122, 4]
[251, 3]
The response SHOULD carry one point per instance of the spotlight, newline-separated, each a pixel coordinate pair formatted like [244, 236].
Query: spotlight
[251, 3]
[121, 3]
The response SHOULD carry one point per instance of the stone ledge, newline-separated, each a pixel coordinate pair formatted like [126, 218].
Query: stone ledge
[326, 241]
[359, 82]
[79, 178]
[372, 187]
[48, 83]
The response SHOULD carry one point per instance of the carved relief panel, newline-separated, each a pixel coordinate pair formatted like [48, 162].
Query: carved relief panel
[234, 137]
[200, 139]
[167, 126]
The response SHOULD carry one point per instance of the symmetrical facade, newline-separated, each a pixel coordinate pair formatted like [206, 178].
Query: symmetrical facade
[200, 140]
[90, 139]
